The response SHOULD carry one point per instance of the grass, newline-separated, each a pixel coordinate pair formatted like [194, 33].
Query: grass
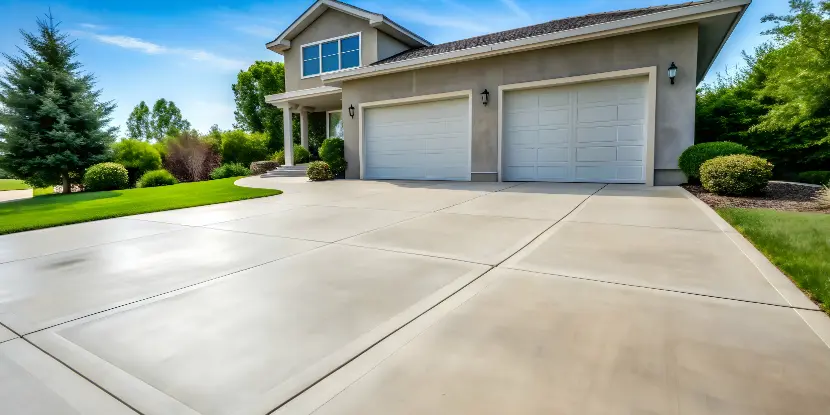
[12, 184]
[55, 210]
[797, 243]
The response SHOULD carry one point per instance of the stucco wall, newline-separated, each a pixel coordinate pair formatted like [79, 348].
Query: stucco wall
[388, 46]
[330, 24]
[675, 103]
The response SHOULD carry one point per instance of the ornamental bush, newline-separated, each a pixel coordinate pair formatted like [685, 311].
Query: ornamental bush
[735, 175]
[106, 176]
[332, 152]
[241, 147]
[154, 178]
[694, 156]
[319, 171]
[260, 167]
[301, 155]
[136, 156]
[229, 170]
[815, 177]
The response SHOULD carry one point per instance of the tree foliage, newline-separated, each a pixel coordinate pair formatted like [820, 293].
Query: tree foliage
[54, 125]
[139, 126]
[164, 120]
[252, 113]
[778, 105]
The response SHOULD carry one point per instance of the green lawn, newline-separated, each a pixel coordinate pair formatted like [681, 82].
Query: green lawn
[12, 184]
[54, 210]
[797, 243]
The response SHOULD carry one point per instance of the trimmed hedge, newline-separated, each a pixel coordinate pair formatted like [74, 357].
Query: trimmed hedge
[815, 177]
[694, 156]
[301, 155]
[260, 167]
[736, 175]
[138, 157]
[106, 176]
[319, 171]
[332, 151]
[155, 178]
[229, 170]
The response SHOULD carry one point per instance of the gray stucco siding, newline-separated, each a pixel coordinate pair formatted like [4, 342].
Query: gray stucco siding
[675, 105]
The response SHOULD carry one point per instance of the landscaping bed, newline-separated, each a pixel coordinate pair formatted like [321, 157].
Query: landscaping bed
[777, 195]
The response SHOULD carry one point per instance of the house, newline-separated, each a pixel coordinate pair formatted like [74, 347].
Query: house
[586, 98]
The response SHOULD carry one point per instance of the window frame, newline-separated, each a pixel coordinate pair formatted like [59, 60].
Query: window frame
[328, 119]
[319, 44]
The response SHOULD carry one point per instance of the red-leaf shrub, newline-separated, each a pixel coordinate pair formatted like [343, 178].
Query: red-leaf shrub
[189, 159]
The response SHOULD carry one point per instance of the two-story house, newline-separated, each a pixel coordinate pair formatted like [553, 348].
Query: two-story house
[607, 97]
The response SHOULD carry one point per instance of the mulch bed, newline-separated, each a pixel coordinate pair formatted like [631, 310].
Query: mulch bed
[779, 196]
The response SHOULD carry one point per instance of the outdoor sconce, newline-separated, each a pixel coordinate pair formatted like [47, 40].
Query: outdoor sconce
[351, 109]
[672, 72]
[485, 97]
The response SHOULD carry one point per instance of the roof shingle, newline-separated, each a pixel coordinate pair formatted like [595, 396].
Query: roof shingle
[552, 26]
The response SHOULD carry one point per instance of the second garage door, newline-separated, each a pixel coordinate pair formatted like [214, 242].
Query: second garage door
[422, 141]
[592, 132]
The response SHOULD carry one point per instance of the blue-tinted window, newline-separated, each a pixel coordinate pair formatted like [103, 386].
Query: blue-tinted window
[311, 67]
[331, 63]
[331, 56]
[311, 52]
[350, 59]
[349, 43]
[330, 48]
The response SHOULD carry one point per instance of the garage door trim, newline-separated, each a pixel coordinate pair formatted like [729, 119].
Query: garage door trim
[651, 99]
[468, 93]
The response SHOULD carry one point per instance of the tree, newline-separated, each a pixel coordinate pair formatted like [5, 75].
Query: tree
[139, 126]
[54, 125]
[166, 120]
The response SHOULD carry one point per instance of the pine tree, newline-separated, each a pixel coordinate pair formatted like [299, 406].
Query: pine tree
[54, 125]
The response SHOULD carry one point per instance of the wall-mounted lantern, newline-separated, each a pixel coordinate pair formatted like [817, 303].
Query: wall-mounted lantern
[672, 72]
[485, 97]
[351, 111]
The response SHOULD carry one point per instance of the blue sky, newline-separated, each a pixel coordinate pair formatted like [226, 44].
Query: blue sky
[189, 51]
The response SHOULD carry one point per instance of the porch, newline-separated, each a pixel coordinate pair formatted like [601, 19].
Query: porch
[321, 99]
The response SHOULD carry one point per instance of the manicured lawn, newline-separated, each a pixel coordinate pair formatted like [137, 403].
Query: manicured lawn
[54, 210]
[797, 243]
[12, 184]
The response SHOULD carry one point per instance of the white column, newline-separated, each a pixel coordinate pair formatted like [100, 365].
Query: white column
[287, 136]
[304, 127]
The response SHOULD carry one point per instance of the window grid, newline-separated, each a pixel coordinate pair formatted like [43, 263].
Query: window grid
[317, 50]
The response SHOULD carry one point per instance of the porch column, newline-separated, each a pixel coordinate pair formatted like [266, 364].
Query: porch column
[287, 136]
[304, 127]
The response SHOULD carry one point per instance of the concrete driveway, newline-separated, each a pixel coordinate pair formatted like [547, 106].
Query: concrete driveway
[360, 297]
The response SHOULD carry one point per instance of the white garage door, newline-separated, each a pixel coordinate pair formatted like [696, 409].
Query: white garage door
[592, 132]
[423, 141]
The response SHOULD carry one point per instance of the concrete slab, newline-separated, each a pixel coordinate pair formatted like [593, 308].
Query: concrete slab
[14, 195]
[663, 207]
[45, 291]
[482, 239]
[33, 383]
[548, 201]
[31, 244]
[246, 343]
[318, 223]
[222, 212]
[706, 263]
[412, 200]
[538, 344]
[6, 334]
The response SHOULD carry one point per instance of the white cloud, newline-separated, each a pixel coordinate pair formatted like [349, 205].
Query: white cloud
[151, 48]
[517, 10]
[91, 26]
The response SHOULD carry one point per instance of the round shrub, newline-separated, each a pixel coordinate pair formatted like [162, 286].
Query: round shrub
[815, 177]
[318, 171]
[736, 175]
[694, 156]
[229, 170]
[106, 176]
[332, 152]
[301, 155]
[136, 156]
[154, 178]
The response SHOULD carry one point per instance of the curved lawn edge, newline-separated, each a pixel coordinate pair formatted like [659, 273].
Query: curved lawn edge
[56, 210]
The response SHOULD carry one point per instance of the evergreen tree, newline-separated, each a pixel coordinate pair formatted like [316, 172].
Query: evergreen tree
[54, 125]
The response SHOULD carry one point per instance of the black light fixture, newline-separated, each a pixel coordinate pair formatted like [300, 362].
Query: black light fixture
[485, 97]
[672, 72]
[351, 111]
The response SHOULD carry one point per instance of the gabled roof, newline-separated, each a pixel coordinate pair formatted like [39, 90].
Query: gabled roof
[552, 26]
[378, 21]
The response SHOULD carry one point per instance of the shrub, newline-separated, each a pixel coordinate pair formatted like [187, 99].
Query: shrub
[823, 197]
[190, 159]
[319, 170]
[694, 156]
[332, 151]
[161, 147]
[815, 177]
[301, 155]
[738, 175]
[106, 176]
[156, 178]
[241, 147]
[260, 167]
[5, 175]
[229, 170]
[137, 157]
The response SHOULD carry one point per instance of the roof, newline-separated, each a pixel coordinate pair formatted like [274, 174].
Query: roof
[552, 26]
[376, 20]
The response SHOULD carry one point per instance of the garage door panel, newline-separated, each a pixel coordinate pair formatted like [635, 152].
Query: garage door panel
[597, 114]
[596, 154]
[521, 100]
[523, 119]
[631, 112]
[421, 141]
[555, 117]
[553, 172]
[596, 134]
[518, 155]
[630, 153]
[554, 136]
[629, 133]
[553, 154]
[520, 173]
[554, 98]
[522, 137]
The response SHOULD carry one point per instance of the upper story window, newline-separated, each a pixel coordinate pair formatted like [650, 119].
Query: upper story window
[331, 55]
